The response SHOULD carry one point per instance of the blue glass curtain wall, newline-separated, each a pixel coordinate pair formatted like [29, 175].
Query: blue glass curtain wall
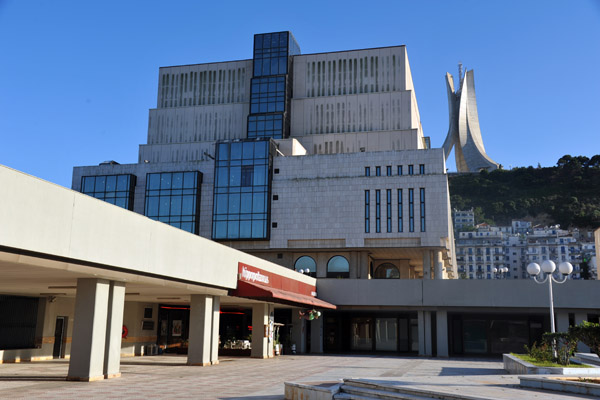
[242, 190]
[114, 189]
[269, 92]
[174, 198]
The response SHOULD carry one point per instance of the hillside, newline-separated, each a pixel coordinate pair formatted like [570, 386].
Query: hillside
[568, 194]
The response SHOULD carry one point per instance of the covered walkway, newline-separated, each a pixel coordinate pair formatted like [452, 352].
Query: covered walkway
[88, 267]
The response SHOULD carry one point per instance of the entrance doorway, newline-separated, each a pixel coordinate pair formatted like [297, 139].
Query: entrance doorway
[59, 337]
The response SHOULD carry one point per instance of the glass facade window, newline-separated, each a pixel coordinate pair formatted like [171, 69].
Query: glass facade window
[388, 170]
[271, 53]
[378, 211]
[114, 189]
[389, 209]
[270, 125]
[399, 170]
[242, 190]
[306, 263]
[422, 169]
[367, 211]
[338, 267]
[174, 198]
[377, 171]
[411, 169]
[367, 171]
[387, 271]
[411, 210]
[267, 95]
[400, 222]
[422, 204]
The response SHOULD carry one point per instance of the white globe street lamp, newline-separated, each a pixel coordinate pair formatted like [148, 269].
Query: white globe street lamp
[500, 272]
[548, 267]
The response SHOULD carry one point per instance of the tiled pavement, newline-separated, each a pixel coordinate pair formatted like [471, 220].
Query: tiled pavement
[162, 377]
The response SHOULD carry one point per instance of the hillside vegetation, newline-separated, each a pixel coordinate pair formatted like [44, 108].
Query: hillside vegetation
[568, 194]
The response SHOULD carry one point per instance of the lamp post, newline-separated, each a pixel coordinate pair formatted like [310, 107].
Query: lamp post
[548, 267]
[500, 272]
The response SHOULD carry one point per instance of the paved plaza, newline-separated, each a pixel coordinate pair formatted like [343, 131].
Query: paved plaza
[163, 377]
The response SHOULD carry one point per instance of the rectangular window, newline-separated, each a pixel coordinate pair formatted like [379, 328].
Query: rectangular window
[242, 190]
[389, 208]
[422, 169]
[367, 211]
[411, 210]
[377, 171]
[422, 199]
[411, 169]
[113, 189]
[400, 224]
[270, 125]
[174, 198]
[388, 170]
[399, 170]
[367, 171]
[267, 95]
[378, 211]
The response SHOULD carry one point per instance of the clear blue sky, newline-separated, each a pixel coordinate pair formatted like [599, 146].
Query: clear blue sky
[77, 78]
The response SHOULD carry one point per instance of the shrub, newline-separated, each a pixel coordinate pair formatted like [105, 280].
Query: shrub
[566, 344]
[589, 334]
[540, 353]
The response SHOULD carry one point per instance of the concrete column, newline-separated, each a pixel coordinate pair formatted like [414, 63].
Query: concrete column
[89, 330]
[424, 328]
[438, 264]
[260, 331]
[442, 333]
[562, 320]
[114, 329]
[316, 335]
[200, 334]
[298, 332]
[216, 317]
[579, 318]
[426, 264]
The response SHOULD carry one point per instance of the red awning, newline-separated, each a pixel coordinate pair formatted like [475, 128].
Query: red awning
[258, 292]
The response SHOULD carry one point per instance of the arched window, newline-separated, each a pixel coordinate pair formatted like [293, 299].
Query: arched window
[306, 263]
[338, 267]
[387, 271]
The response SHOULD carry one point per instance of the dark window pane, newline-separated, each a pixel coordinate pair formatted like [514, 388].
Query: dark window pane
[236, 151]
[88, 184]
[190, 180]
[152, 206]
[100, 184]
[177, 182]
[111, 183]
[165, 181]
[122, 182]
[164, 204]
[154, 182]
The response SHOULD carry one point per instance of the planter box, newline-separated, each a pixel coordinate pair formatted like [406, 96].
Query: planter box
[514, 365]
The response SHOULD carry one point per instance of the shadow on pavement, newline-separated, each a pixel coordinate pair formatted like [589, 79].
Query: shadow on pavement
[33, 378]
[160, 364]
[458, 371]
[272, 397]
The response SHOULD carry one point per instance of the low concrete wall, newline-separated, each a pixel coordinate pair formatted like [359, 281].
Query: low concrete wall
[515, 365]
[311, 391]
[560, 385]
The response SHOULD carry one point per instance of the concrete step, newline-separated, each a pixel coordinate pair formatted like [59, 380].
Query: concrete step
[390, 392]
[359, 393]
[348, 396]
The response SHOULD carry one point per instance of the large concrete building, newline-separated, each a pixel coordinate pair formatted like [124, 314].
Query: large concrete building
[300, 165]
[316, 162]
